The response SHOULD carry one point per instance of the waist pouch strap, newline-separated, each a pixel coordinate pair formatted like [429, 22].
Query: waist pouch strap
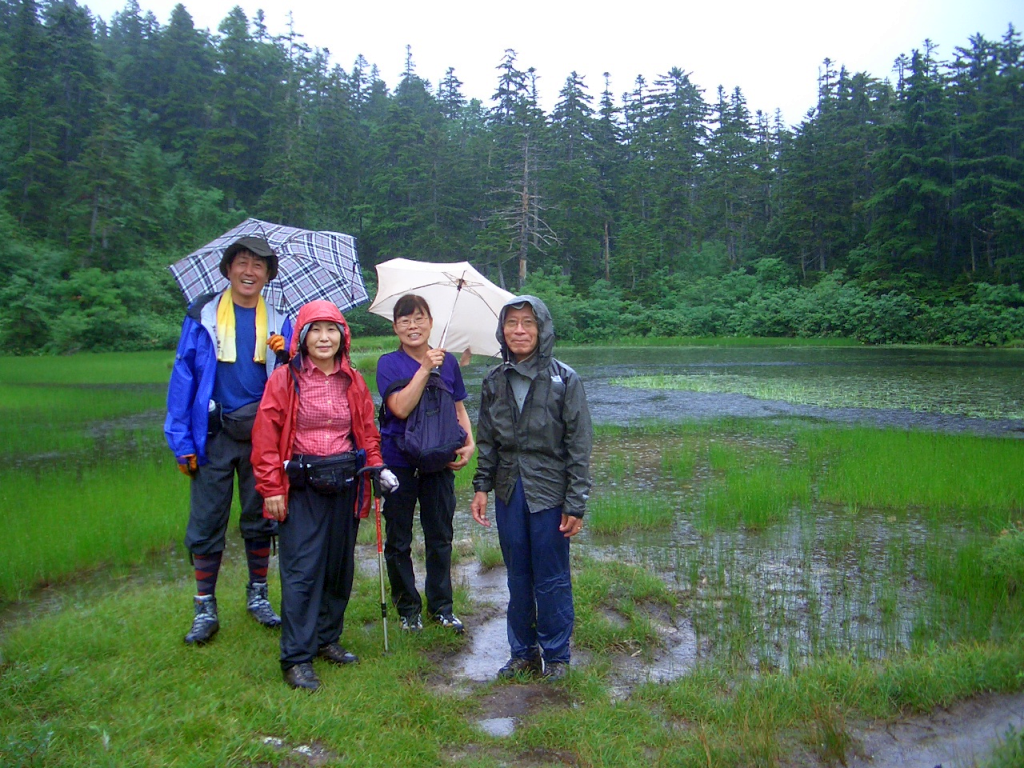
[238, 424]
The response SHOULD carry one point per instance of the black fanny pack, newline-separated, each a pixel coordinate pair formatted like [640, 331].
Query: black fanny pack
[238, 424]
[324, 474]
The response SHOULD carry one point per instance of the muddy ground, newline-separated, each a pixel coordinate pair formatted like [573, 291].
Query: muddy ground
[961, 736]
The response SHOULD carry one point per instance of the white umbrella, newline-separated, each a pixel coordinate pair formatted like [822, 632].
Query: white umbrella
[463, 303]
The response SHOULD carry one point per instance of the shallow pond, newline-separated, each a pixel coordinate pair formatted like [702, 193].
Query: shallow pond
[825, 577]
[821, 578]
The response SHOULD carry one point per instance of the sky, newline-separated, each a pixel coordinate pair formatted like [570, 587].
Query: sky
[772, 50]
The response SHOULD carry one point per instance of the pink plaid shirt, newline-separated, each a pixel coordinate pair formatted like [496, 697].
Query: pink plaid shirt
[323, 426]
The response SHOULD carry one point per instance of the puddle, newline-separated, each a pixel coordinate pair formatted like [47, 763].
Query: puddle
[487, 649]
[499, 727]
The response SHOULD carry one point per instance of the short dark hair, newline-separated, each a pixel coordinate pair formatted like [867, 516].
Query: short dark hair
[409, 304]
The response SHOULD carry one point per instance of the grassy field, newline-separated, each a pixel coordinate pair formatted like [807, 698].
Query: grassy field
[826, 574]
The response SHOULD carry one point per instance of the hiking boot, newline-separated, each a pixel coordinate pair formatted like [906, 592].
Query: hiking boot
[556, 670]
[259, 606]
[410, 623]
[335, 654]
[302, 676]
[520, 667]
[450, 621]
[205, 623]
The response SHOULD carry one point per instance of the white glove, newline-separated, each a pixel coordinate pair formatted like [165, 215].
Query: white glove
[388, 481]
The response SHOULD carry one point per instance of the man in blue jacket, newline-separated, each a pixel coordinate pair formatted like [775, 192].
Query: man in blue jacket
[226, 352]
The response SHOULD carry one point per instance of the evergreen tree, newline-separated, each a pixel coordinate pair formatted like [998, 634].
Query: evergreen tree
[574, 181]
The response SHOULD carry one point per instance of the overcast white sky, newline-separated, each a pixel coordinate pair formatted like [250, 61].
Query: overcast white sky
[772, 50]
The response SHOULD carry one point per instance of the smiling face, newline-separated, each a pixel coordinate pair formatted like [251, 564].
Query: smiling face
[323, 340]
[247, 274]
[521, 332]
[413, 330]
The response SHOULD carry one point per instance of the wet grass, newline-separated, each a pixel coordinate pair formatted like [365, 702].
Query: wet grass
[1010, 752]
[828, 573]
[793, 540]
[617, 512]
[612, 606]
[60, 522]
[52, 404]
[114, 685]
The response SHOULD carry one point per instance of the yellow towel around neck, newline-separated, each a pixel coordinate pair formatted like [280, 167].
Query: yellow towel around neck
[226, 352]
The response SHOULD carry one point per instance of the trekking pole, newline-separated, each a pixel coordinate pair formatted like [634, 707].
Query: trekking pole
[375, 479]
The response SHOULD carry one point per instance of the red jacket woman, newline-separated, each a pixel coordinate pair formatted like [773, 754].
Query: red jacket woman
[273, 434]
[316, 416]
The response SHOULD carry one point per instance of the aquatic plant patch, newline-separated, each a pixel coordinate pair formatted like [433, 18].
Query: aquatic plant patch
[784, 558]
[842, 390]
[977, 477]
[615, 512]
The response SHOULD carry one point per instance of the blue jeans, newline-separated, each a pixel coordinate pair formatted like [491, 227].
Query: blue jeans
[536, 554]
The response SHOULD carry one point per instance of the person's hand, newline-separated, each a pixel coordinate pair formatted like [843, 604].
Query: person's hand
[276, 507]
[434, 359]
[479, 509]
[464, 454]
[570, 525]
[276, 343]
[188, 465]
[388, 481]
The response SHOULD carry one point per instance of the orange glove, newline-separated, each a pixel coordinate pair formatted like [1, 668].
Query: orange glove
[187, 464]
[276, 343]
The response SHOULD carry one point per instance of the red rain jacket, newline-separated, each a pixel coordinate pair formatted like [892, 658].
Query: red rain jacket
[273, 434]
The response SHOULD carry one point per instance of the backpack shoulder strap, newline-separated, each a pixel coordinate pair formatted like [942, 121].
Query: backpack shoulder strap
[393, 387]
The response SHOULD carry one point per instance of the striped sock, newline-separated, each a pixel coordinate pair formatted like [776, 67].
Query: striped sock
[257, 553]
[207, 567]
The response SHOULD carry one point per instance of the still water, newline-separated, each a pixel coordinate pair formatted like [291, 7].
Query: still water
[825, 578]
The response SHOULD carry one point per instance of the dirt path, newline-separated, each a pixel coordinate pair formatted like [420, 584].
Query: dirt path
[959, 737]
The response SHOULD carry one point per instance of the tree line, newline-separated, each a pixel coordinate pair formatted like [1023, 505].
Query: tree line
[661, 209]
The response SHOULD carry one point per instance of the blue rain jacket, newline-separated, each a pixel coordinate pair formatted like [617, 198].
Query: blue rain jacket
[195, 367]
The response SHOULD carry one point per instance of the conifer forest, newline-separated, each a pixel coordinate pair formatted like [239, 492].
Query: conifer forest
[892, 212]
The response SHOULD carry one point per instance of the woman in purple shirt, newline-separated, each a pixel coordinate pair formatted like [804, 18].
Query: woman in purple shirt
[435, 491]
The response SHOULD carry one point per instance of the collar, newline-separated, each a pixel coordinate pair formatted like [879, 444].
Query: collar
[308, 366]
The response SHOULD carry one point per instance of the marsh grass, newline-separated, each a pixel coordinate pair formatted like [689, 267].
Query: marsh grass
[613, 606]
[619, 511]
[759, 497]
[866, 596]
[49, 404]
[890, 555]
[899, 469]
[59, 523]
[488, 553]
[1010, 751]
[116, 686]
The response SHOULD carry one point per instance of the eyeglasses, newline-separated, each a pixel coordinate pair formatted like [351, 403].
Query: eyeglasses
[408, 322]
[527, 323]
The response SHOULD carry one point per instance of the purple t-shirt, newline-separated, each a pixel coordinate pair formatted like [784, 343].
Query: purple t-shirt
[395, 366]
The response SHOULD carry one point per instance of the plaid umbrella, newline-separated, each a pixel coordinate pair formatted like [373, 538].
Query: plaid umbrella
[311, 265]
[463, 303]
